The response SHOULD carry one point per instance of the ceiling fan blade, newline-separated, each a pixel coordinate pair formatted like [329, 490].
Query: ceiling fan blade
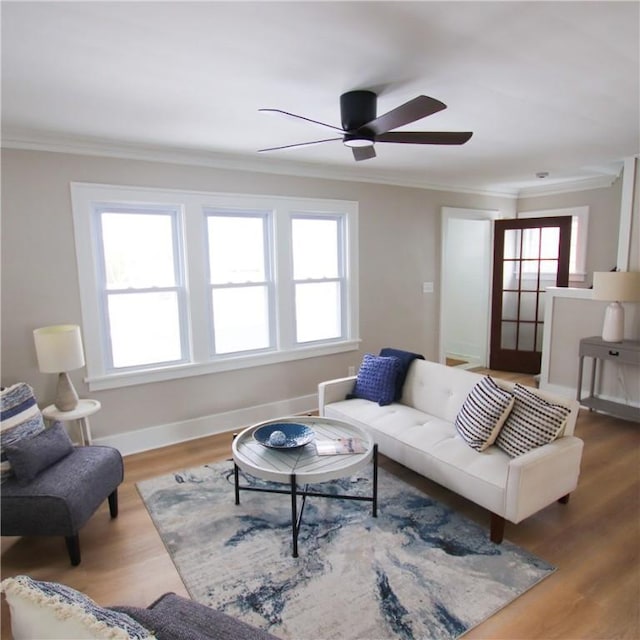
[363, 153]
[426, 137]
[299, 144]
[415, 109]
[293, 115]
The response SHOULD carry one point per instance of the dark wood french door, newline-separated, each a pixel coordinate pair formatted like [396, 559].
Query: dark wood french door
[530, 254]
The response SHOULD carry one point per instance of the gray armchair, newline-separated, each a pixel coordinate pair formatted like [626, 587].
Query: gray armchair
[49, 487]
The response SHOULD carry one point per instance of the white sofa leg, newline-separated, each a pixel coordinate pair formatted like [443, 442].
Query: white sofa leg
[497, 528]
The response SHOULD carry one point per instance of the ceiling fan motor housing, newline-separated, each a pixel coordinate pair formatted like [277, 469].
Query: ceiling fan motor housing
[357, 108]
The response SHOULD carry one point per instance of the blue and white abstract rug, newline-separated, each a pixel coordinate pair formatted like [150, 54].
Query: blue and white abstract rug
[417, 571]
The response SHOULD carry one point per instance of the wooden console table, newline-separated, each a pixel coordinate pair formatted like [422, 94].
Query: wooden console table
[625, 352]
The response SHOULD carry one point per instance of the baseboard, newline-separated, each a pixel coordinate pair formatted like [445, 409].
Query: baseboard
[172, 433]
[570, 392]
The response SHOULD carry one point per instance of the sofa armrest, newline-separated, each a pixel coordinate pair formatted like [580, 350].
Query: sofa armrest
[542, 476]
[334, 391]
[173, 617]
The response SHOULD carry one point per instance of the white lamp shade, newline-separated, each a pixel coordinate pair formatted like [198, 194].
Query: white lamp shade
[59, 348]
[618, 286]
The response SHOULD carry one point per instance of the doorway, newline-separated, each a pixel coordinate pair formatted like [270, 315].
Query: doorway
[529, 255]
[465, 285]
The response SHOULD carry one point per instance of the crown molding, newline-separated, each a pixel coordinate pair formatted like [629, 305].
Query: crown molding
[107, 148]
[582, 184]
[41, 141]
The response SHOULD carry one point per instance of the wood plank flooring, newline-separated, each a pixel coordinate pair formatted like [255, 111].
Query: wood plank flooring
[594, 541]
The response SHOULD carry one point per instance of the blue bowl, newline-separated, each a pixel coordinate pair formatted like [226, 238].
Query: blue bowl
[294, 435]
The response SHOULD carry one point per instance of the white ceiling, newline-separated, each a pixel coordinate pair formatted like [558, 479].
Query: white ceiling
[544, 86]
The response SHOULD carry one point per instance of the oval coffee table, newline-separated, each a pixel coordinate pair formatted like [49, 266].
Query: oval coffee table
[302, 465]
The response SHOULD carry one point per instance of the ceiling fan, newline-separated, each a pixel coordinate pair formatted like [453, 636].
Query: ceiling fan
[362, 127]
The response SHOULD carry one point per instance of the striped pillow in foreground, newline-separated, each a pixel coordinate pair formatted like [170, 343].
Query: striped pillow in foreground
[20, 418]
[483, 414]
[532, 422]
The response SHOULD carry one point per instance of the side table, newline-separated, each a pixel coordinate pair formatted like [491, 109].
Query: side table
[86, 407]
[625, 352]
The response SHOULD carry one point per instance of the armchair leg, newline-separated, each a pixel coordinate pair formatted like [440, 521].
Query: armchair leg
[73, 547]
[564, 499]
[497, 528]
[113, 503]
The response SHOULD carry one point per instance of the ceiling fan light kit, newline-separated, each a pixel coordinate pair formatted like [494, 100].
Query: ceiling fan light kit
[357, 141]
[362, 128]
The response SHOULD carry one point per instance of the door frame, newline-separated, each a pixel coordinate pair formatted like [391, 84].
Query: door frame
[516, 360]
[446, 214]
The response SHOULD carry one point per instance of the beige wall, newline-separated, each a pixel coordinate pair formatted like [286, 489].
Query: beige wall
[399, 249]
[604, 219]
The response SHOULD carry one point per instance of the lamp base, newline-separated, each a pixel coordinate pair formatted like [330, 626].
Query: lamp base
[613, 328]
[66, 396]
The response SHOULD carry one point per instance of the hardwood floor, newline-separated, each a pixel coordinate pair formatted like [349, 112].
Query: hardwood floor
[594, 541]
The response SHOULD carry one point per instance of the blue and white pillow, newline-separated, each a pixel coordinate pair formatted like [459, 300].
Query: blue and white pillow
[532, 423]
[483, 413]
[50, 610]
[20, 418]
[376, 380]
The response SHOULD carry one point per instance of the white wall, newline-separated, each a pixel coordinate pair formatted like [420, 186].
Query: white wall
[467, 279]
[399, 250]
[575, 315]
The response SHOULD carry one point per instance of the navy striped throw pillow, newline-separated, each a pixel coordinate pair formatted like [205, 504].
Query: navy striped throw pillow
[532, 422]
[483, 414]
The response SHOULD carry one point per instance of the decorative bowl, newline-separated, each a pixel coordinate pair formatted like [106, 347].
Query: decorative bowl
[295, 435]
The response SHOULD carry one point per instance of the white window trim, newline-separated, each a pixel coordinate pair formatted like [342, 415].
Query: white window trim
[580, 212]
[83, 198]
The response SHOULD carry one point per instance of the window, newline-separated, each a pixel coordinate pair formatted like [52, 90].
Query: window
[579, 227]
[141, 294]
[176, 283]
[240, 281]
[318, 277]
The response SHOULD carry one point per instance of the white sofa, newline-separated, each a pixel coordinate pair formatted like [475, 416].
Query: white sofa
[419, 432]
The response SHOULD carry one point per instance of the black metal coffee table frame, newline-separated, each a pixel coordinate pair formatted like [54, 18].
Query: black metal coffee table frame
[295, 493]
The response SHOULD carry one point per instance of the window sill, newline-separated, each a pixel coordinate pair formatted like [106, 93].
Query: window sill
[149, 376]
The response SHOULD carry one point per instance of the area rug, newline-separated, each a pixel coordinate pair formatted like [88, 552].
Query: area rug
[417, 571]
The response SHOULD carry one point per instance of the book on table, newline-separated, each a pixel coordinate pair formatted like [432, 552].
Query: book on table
[339, 446]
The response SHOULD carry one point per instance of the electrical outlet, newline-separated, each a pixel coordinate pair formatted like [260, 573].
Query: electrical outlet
[427, 287]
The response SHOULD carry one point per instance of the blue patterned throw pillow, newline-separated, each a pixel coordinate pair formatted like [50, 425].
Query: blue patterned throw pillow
[20, 418]
[376, 380]
[532, 423]
[483, 414]
[52, 610]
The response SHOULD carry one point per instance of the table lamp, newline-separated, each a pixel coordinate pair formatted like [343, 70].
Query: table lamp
[615, 287]
[59, 349]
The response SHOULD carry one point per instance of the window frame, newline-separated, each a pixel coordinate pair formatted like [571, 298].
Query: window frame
[269, 283]
[191, 225]
[341, 278]
[174, 213]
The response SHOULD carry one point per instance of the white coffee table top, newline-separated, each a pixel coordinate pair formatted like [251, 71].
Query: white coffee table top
[277, 465]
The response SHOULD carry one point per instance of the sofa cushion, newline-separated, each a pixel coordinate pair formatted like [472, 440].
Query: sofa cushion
[30, 456]
[376, 380]
[46, 610]
[405, 358]
[20, 418]
[533, 422]
[483, 413]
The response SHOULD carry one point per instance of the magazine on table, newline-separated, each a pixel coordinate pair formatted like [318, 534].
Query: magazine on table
[339, 446]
